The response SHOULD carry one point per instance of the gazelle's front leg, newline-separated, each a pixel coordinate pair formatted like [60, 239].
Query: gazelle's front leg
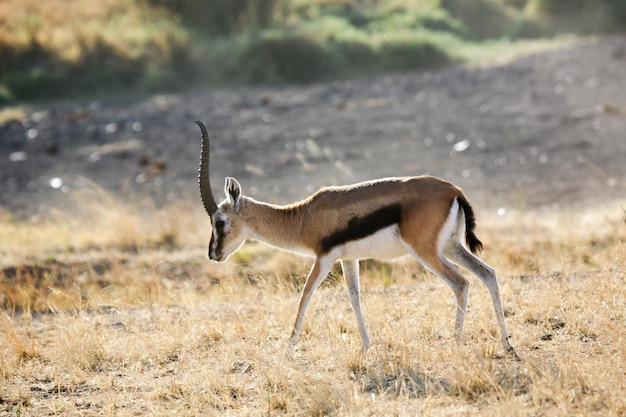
[318, 272]
[351, 275]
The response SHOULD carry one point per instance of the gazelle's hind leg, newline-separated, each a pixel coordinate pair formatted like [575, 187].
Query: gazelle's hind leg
[426, 245]
[460, 255]
[449, 273]
[351, 275]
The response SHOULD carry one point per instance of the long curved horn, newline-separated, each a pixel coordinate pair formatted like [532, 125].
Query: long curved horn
[208, 201]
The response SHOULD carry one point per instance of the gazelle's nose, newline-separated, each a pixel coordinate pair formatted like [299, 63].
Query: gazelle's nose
[214, 256]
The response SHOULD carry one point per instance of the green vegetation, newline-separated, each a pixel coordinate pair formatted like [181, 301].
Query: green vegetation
[55, 49]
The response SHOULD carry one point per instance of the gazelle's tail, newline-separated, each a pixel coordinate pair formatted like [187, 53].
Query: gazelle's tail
[472, 241]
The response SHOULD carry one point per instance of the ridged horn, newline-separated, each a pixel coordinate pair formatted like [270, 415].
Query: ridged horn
[208, 201]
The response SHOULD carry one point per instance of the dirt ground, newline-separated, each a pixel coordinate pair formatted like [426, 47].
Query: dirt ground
[545, 130]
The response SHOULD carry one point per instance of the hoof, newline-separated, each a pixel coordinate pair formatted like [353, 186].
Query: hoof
[511, 351]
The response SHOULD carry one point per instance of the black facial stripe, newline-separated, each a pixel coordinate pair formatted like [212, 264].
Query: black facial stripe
[362, 227]
[220, 241]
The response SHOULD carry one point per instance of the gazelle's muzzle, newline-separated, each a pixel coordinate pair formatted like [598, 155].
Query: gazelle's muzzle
[215, 250]
[213, 257]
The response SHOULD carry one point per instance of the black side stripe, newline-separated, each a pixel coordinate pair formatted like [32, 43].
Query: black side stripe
[362, 227]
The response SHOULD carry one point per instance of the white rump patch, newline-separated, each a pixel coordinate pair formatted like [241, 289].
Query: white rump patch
[450, 226]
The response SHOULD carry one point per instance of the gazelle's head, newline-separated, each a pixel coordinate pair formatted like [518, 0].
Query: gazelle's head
[229, 229]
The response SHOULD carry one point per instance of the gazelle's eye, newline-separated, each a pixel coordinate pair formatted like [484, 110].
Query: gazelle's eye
[219, 225]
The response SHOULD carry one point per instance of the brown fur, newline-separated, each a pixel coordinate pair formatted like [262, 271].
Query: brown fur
[425, 203]
[419, 198]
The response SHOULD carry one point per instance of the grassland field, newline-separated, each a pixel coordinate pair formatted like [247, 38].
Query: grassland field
[110, 317]
[109, 307]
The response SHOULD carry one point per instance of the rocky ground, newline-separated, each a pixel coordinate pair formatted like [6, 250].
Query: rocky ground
[545, 130]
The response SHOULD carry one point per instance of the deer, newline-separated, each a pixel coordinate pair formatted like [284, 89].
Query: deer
[423, 216]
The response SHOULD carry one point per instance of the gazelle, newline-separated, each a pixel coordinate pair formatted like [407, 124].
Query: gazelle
[423, 216]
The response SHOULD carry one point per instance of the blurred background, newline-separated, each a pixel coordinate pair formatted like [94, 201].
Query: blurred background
[521, 102]
[63, 48]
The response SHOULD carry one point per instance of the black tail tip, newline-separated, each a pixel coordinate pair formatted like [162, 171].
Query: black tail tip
[475, 245]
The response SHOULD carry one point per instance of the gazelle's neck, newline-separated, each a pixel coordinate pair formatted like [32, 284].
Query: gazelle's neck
[279, 226]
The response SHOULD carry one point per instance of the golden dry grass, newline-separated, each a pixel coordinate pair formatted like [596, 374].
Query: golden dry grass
[108, 317]
[70, 28]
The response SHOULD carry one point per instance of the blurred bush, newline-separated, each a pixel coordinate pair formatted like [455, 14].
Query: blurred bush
[578, 16]
[48, 50]
[278, 57]
[275, 57]
[482, 18]
[224, 17]
[617, 7]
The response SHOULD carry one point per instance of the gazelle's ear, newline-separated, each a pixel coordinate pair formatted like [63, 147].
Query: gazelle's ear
[233, 191]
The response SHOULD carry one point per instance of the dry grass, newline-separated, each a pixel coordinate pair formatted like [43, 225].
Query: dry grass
[69, 28]
[128, 323]
[60, 48]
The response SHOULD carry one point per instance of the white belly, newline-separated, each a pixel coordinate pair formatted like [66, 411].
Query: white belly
[384, 244]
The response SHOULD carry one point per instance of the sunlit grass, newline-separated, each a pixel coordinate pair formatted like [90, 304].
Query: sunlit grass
[106, 317]
[68, 27]
[64, 48]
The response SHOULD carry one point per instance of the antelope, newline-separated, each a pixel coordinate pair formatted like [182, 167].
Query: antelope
[423, 216]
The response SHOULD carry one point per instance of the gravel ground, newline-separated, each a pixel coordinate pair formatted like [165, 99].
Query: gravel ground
[545, 130]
